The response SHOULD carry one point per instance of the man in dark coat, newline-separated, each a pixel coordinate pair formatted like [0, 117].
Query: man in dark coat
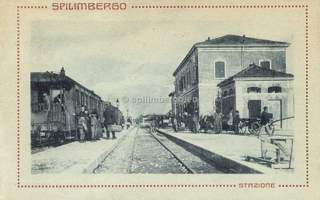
[109, 119]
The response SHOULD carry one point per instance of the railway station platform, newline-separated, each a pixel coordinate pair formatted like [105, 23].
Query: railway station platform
[227, 148]
[74, 157]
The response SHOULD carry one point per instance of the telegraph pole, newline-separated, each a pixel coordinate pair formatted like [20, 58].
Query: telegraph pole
[242, 48]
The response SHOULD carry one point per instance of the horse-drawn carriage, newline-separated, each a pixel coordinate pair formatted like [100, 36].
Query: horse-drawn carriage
[254, 127]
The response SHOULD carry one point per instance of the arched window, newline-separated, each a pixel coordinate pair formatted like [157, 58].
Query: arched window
[274, 89]
[220, 69]
[253, 90]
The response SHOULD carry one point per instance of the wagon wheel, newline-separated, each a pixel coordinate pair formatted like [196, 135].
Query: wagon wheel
[270, 130]
[255, 128]
[242, 128]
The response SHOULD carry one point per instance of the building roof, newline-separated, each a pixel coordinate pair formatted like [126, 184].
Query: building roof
[232, 41]
[241, 40]
[255, 71]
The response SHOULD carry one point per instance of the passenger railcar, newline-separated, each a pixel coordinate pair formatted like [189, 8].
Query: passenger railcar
[55, 100]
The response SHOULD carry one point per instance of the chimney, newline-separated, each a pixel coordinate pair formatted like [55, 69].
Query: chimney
[209, 38]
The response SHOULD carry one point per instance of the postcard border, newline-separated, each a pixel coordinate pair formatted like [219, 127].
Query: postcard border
[307, 133]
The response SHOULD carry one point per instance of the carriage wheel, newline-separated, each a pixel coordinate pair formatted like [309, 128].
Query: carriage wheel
[255, 128]
[270, 130]
[242, 128]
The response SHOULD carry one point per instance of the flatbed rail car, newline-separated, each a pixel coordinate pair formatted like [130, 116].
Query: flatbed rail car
[55, 100]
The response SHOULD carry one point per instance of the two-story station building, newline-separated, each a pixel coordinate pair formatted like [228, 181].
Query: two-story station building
[212, 61]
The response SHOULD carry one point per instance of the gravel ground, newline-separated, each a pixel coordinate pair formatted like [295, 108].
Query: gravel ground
[119, 161]
[192, 161]
[71, 158]
[140, 152]
[151, 157]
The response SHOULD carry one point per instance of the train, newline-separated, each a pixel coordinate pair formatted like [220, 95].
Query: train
[55, 101]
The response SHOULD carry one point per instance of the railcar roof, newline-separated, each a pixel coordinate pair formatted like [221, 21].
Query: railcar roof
[55, 80]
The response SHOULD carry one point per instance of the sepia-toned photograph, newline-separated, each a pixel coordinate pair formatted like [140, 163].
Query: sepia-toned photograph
[159, 99]
[111, 101]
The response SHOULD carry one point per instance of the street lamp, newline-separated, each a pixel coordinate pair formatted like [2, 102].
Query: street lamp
[117, 103]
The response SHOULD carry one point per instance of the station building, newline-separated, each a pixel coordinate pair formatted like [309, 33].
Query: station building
[251, 89]
[210, 62]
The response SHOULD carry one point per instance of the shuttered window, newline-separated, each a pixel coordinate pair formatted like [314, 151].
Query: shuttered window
[219, 69]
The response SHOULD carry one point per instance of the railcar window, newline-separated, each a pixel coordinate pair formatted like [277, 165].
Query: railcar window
[41, 93]
[77, 98]
[82, 98]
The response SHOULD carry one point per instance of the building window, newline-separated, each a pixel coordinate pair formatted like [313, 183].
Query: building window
[189, 78]
[253, 90]
[265, 64]
[225, 93]
[220, 69]
[231, 92]
[182, 83]
[194, 75]
[275, 89]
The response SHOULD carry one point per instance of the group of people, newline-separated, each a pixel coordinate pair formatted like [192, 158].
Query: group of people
[216, 122]
[185, 121]
[89, 127]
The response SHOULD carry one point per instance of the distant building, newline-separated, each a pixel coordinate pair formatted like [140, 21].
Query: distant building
[211, 61]
[251, 89]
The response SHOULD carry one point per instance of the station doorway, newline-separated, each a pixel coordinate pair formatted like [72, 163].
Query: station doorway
[254, 107]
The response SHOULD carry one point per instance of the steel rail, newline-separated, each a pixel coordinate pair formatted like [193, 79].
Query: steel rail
[190, 171]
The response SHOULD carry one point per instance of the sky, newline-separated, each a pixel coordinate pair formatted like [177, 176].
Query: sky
[133, 60]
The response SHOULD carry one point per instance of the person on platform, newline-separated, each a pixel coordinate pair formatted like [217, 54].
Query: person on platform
[236, 121]
[82, 117]
[217, 116]
[230, 120]
[109, 120]
[174, 123]
[94, 125]
[266, 118]
[88, 121]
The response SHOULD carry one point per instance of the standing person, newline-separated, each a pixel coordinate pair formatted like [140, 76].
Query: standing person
[236, 121]
[217, 116]
[152, 125]
[109, 120]
[94, 125]
[266, 119]
[174, 123]
[195, 121]
[88, 124]
[82, 123]
[230, 119]
[47, 104]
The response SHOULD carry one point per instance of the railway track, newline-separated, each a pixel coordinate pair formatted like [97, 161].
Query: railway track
[111, 153]
[142, 151]
[184, 165]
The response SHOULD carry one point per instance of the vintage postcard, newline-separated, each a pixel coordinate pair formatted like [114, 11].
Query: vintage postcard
[159, 99]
